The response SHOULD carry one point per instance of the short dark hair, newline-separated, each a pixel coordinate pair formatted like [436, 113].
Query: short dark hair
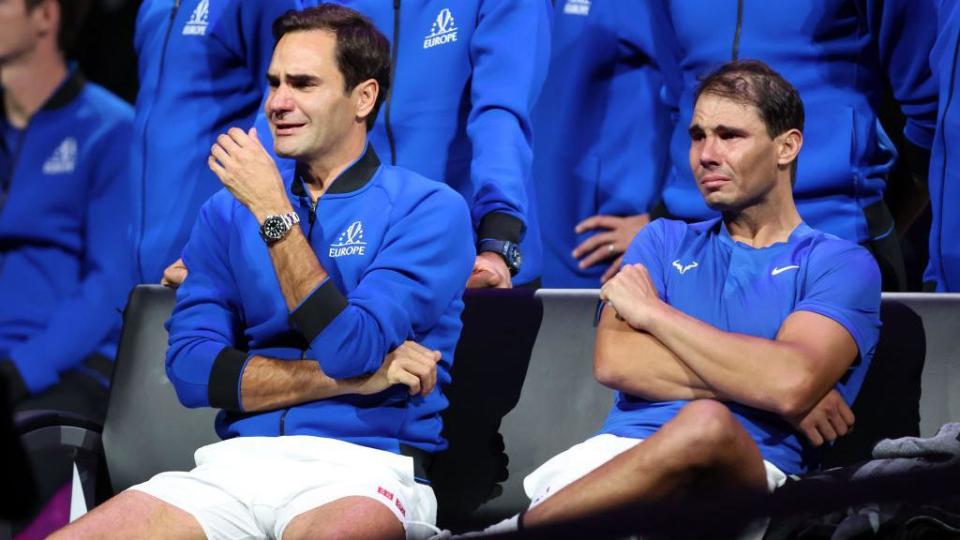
[752, 82]
[73, 13]
[362, 52]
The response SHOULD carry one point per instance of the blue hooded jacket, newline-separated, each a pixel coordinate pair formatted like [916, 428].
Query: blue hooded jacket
[840, 55]
[64, 225]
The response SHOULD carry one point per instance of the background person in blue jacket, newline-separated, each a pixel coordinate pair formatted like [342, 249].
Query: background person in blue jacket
[466, 77]
[842, 55]
[320, 277]
[63, 214]
[706, 331]
[943, 270]
[200, 66]
[600, 152]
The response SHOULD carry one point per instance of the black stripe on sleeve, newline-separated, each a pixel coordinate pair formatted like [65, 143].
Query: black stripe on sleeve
[318, 310]
[223, 388]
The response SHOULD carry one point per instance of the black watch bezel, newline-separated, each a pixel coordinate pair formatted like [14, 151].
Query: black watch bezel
[274, 228]
[507, 250]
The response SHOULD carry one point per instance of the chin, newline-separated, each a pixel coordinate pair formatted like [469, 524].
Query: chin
[717, 204]
[285, 152]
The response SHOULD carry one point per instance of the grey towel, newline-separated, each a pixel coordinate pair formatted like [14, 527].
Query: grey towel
[945, 445]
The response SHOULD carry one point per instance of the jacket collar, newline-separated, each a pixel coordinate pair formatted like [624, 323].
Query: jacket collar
[353, 178]
[68, 90]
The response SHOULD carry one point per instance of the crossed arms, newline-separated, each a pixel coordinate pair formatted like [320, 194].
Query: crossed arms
[651, 350]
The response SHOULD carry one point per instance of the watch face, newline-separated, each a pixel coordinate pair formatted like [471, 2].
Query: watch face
[513, 255]
[273, 228]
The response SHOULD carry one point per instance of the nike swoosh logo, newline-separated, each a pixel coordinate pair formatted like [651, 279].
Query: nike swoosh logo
[782, 269]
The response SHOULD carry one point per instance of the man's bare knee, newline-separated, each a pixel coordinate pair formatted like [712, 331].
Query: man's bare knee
[133, 514]
[709, 421]
[711, 443]
[349, 517]
[709, 431]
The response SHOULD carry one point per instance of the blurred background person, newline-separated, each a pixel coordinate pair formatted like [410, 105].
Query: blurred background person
[63, 214]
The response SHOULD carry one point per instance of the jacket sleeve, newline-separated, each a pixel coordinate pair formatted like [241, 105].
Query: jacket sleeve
[903, 32]
[421, 267]
[89, 321]
[509, 51]
[202, 363]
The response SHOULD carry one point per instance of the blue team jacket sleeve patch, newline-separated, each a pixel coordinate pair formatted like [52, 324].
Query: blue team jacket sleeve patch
[223, 389]
[318, 310]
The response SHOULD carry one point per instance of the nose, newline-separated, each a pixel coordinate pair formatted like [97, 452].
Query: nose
[708, 152]
[278, 102]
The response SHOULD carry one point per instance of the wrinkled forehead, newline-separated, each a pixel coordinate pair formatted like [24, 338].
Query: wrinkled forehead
[304, 51]
[712, 110]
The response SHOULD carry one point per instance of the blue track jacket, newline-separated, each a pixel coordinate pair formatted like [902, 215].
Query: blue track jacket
[943, 272]
[64, 226]
[840, 55]
[466, 76]
[600, 145]
[391, 242]
[201, 69]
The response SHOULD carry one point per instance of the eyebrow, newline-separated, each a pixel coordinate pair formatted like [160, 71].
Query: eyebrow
[728, 130]
[721, 130]
[294, 79]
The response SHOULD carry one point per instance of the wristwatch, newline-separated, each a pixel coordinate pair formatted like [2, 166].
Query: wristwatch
[274, 228]
[507, 250]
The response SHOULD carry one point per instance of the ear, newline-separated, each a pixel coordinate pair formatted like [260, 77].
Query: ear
[366, 94]
[788, 148]
[46, 17]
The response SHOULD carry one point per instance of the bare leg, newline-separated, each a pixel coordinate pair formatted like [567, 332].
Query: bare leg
[133, 514]
[349, 517]
[703, 445]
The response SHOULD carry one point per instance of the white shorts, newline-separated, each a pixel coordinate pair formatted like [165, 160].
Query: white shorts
[253, 487]
[579, 460]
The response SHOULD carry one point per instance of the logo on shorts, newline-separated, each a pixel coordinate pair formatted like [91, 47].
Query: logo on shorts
[683, 268]
[64, 159]
[443, 30]
[350, 242]
[382, 491]
[577, 7]
[403, 511]
[197, 25]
